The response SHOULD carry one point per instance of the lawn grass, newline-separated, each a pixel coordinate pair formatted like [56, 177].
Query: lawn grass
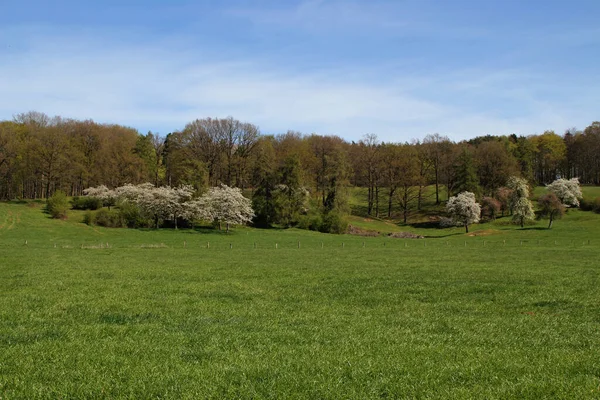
[505, 313]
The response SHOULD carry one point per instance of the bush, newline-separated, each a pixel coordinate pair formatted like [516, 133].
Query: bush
[131, 216]
[108, 219]
[311, 221]
[57, 205]
[587, 204]
[86, 203]
[334, 222]
[89, 218]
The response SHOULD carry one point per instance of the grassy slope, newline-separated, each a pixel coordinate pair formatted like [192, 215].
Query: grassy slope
[446, 317]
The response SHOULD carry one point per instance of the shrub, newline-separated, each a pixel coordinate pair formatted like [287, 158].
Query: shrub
[587, 204]
[57, 205]
[86, 203]
[108, 218]
[312, 221]
[334, 222]
[132, 217]
[89, 218]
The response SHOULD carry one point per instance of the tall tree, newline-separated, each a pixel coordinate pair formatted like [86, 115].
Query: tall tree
[436, 148]
[465, 170]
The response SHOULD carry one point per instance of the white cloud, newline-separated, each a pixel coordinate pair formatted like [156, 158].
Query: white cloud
[161, 87]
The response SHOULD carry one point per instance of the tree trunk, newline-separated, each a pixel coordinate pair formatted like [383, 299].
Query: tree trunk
[227, 228]
[376, 201]
[437, 190]
[467, 228]
[522, 222]
[390, 203]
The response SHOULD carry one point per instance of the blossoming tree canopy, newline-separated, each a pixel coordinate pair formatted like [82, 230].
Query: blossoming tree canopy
[464, 208]
[567, 191]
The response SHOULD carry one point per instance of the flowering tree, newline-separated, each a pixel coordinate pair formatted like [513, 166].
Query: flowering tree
[107, 196]
[221, 204]
[519, 200]
[226, 205]
[567, 191]
[464, 208]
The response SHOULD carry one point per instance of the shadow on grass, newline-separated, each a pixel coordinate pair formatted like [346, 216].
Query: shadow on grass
[444, 236]
[426, 225]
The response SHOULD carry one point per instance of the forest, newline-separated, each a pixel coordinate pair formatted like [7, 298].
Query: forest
[40, 155]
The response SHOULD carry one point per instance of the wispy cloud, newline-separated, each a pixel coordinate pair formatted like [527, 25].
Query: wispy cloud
[160, 86]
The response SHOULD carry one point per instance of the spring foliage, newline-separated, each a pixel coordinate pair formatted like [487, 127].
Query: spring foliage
[519, 200]
[567, 191]
[220, 204]
[464, 209]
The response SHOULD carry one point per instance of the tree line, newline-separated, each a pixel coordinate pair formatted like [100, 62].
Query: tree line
[286, 172]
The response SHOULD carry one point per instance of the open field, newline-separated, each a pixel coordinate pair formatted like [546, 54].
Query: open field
[501, 313]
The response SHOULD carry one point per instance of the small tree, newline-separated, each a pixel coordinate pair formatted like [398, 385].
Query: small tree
[226, 205]
[503, 195]
[567, 191]
[103, 193]
[464, 209]
[490, 207]
[519, 200]
[57, 205]
[551, 207]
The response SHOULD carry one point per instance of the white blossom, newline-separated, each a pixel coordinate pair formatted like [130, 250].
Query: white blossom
[567, 191]
[227, 205]
[464, 209]
[101, 192]
[519, 201]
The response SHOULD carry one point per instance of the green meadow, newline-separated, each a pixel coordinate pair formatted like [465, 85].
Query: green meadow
[504, 312]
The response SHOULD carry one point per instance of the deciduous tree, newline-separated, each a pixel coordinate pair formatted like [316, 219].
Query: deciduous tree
[464, 209]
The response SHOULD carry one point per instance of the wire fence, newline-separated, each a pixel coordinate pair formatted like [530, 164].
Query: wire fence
[309, 245]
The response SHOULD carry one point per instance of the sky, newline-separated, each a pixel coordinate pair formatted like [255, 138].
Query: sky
[398, 69]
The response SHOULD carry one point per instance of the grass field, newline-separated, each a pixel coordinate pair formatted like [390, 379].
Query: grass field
[501, 313]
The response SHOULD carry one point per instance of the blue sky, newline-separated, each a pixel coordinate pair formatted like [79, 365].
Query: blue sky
[399, 69]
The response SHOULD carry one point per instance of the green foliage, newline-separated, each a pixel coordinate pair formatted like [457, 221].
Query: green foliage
[588, 204]
[57, 205]
[313, 220]
[131, 216]
[108, 218]
[86, 203]
[334, 222]
[465, 173]
[89, 218]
